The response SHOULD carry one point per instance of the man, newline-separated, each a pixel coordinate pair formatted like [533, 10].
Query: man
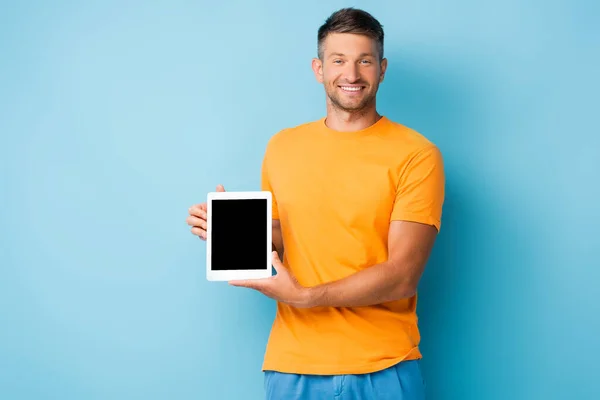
[357, 204]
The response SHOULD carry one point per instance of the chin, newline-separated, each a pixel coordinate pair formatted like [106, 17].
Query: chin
[350, 106]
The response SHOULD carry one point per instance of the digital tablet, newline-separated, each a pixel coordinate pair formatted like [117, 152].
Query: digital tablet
[238, 235]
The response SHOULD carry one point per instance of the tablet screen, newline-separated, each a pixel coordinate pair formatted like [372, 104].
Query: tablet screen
[239, 234]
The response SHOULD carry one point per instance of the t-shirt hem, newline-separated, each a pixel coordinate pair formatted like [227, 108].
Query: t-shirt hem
[293, 367]
[424, 219]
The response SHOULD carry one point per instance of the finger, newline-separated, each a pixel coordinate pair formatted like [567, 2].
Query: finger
[201, 233]
[220, 188]
[243, 283]
[257, 284]
[195, 221]
[198, 210]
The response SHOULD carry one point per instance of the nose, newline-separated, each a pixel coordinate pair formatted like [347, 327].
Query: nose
[351, 73]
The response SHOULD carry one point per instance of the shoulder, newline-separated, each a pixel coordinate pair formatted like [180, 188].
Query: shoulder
[291, 135]
[410, 142]
[407, 135]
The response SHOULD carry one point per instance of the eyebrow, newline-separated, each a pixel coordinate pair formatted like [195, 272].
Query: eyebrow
[342, 55]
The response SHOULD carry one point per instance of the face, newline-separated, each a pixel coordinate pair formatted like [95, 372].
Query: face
[350, 71]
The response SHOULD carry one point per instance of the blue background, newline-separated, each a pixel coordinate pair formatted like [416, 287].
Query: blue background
[115, 117]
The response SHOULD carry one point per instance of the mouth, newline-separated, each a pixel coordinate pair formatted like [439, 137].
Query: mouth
[351, 89]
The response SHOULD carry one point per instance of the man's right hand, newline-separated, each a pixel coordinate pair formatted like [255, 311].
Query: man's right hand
[197, 217]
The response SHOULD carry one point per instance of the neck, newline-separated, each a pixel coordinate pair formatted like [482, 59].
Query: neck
[350, 121]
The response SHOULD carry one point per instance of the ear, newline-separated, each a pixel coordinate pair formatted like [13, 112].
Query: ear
[317, 67]
[384, 64]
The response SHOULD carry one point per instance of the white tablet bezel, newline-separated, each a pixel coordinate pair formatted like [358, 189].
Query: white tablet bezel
[216, 275]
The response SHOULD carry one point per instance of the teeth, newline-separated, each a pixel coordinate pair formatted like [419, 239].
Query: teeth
[351, 89]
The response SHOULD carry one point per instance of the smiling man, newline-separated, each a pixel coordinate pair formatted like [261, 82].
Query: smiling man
[357, 205]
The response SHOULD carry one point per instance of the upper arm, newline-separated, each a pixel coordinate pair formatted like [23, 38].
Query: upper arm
[417, 213]
[277, 236]
[409, 246]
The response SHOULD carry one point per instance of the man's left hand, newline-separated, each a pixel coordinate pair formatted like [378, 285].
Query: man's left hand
[283, 287]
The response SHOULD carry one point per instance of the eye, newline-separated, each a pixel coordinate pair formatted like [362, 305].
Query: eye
[337, 61]
[366, 61]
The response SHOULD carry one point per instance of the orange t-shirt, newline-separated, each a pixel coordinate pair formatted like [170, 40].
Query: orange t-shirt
[335, 194]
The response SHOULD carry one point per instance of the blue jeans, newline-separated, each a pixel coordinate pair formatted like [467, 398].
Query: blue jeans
[403, 381]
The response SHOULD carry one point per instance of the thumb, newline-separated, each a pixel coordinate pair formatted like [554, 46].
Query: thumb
[220, 188]
[276, 261]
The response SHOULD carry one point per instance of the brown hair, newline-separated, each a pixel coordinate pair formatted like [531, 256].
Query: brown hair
[351, 20]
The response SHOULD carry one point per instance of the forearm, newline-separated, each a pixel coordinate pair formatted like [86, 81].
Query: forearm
[378, 284]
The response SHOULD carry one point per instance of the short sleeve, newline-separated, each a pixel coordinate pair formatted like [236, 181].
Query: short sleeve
[420, 190]
[266, 186]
